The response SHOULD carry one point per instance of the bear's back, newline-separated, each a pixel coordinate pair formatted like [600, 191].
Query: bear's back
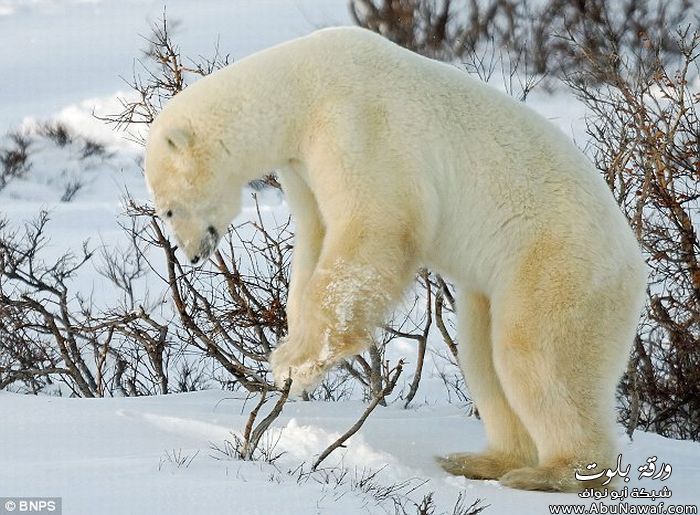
[467, 132]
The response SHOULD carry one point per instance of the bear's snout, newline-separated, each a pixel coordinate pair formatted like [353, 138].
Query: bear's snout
[207, 246]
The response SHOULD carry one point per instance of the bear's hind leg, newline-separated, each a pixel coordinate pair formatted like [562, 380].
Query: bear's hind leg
[559, 355]
[509, 445]
[571, 426]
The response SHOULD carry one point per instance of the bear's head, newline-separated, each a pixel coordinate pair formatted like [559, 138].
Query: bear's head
[194, 189]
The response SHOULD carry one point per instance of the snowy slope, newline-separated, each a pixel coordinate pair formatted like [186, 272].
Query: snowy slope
[61, 52]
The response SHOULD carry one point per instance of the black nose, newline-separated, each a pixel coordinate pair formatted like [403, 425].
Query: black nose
[194, 260]
[212, 231]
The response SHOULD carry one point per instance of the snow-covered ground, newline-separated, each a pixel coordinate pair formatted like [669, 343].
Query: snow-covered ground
[156, 455]
[120, 456]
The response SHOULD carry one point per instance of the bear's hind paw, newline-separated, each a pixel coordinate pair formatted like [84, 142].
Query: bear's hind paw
[547, 479]
[476, 466]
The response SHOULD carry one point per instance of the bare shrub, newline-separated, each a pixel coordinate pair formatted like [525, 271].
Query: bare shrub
[393, 375]
[446, 29]
[388, 497]
[600, 27]
[71, 189]
[420, 26]
[645, 139]
[426, 506]
[49, 331]
[177, 459]
[39, 334]
[454, 29]
[513, 66]
[233, 311]
[232, 314]
[43, 137]
[158, 76]
[15, 159]
[57, 132]
[92, 148]
[247, 446]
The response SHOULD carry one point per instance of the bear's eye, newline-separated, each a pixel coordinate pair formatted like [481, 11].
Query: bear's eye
[169, 213]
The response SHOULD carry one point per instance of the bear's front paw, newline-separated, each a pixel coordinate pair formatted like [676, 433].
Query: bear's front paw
[305, 370]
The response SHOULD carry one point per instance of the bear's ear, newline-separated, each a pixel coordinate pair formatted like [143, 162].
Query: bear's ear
[179, 138]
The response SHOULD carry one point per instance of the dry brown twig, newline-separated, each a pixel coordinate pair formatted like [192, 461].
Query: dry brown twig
[252, 436]
[453, 30]
[644, 133]
[388, 389]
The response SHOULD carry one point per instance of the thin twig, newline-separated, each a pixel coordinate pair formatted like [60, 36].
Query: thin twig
[357, 425]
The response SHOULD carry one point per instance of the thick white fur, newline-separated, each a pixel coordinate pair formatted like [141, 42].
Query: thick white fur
[390, 161]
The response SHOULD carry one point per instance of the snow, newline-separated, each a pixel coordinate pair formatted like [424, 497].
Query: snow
[49, 72]
[155, 455]
[119, 455]
[342, 292]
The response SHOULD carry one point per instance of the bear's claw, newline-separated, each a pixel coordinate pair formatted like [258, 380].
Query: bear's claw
[305, 372]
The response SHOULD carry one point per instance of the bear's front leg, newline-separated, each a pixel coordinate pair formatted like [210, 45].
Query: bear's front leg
[339, 309]
[350, 291]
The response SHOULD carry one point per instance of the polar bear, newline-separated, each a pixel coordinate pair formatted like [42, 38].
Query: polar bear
[391, 161]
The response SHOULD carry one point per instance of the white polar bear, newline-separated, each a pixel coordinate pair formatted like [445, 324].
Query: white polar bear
[391, 161]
